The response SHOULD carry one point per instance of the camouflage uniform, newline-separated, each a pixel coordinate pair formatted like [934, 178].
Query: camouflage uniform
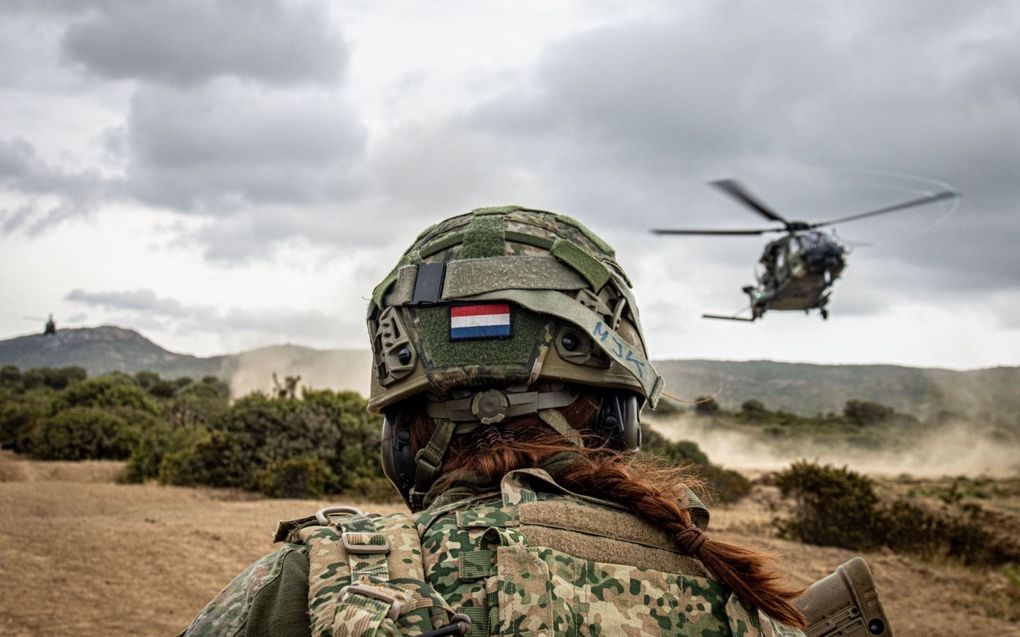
[529, 559]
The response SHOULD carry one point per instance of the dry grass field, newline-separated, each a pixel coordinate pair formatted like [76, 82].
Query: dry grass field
[82, 555]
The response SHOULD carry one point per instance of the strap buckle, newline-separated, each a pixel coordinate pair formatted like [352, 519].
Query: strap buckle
[322, 515]
[398, 600]
[361, 543]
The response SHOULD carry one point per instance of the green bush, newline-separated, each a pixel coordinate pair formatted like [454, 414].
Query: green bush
[753, 408]
[10, 378]
[302, 477]
[110, 390]
[833, 506]
[724, 485]
[198, 403]
[53, 378]
[156, 442]
[19, 414]
[865, 413]
[215, 458]
[255, 442]
[83, 433]
[706, 406]
[837, 507]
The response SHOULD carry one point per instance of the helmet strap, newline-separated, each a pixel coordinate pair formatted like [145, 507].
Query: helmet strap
[429, 460]
[555, 419]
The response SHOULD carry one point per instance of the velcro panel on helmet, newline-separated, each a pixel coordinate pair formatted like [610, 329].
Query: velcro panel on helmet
[484, 238]
[528, 332]
[588, 266]
[468, 277]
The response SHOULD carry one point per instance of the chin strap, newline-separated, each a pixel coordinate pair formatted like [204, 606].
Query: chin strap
[556, 420]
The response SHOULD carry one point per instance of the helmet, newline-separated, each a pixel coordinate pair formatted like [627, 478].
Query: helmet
[498, 313]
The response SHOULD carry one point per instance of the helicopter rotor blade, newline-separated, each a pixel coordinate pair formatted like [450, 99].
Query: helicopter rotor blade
[736, 190]
[722, 233]
[945, 194]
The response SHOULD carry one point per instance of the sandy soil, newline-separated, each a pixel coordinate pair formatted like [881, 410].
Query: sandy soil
[81, 555]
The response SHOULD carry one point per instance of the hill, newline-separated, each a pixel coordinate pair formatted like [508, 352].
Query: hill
[800, 388]
[808, 389]
[107, 348]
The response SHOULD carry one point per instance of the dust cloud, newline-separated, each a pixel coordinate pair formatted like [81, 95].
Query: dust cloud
[953, 450]
[318, 369]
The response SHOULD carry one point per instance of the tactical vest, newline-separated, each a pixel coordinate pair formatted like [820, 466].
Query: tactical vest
[533, 559]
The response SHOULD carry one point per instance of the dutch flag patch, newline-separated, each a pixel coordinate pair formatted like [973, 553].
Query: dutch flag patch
[491, 320]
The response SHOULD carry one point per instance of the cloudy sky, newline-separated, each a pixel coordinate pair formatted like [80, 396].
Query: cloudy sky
[224, 174]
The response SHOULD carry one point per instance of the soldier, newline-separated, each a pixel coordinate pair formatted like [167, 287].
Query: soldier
[511, 369]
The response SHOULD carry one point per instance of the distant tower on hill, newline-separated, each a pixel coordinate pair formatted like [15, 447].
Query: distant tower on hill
[51, 326]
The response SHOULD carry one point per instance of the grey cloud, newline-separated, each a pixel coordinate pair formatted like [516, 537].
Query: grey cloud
[52, 193]
[186, 43]
[142, 300]
[229, 145]
[145, 307]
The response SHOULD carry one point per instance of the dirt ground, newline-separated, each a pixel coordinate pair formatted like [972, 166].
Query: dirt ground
[82, 555]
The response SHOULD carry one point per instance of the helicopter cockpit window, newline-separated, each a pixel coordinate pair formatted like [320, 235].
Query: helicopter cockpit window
[781, 258]
[809, 240]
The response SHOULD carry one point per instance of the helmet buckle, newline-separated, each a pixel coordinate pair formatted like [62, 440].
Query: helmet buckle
[490, 406]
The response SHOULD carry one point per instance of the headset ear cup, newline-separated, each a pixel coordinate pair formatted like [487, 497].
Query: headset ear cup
[618, 420]
[631, 423]
[397, 455]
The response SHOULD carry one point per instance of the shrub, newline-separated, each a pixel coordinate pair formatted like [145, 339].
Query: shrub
[258, 441]
[866, 413]
[724, 485]
[838, 507]
[18, 416]
[53, 378]
[215, 458]
[706, 406]
[667, 407]
[753, 408]
[198, 403]
[833, 506]
[110, 390]
[303, 477]
[10, 377]
[155, 443]
[83, 433]
[675, 453]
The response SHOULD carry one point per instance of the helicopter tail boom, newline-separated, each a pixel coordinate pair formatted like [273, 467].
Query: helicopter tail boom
[727, 318]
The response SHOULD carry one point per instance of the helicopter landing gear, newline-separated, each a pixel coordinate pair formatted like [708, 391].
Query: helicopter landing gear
[825, 314]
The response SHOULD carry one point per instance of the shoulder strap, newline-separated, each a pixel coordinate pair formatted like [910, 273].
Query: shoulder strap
[366, 576]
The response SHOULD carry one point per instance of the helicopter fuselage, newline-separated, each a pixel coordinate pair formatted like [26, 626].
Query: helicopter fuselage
[797, 272]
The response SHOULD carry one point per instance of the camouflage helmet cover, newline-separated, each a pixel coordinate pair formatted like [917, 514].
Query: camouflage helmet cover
[572, 314]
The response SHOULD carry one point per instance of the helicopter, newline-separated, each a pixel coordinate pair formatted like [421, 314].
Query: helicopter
[797, 270]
